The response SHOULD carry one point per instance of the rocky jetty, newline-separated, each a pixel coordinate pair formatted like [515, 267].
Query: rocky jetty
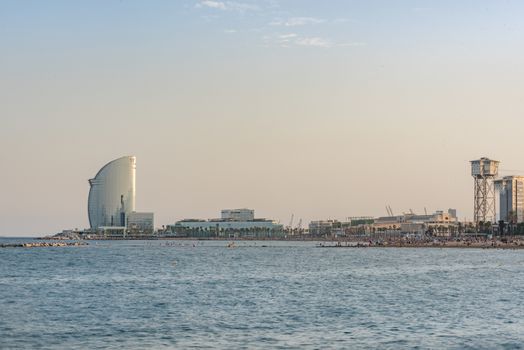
[42, 244]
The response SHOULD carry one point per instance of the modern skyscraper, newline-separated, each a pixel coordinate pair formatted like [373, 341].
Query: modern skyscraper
[511, 189]
[112, 193]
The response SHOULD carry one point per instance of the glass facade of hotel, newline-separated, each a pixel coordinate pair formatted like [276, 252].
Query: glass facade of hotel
[112, 193]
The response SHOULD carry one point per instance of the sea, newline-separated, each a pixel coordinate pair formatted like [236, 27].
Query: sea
[168, 294]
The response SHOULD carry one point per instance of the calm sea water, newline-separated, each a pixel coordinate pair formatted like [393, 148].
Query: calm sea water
[177, 295]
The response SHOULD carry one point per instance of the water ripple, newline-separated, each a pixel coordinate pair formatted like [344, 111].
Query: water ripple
[171, 295]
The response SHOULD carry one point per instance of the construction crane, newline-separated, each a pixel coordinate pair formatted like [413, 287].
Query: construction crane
[389, 210]
[299, 226]
[291, 221]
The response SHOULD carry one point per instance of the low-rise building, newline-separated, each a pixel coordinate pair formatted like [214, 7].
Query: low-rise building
[141, 223]
[232, 224]
[439, 223]
[413, 228]
[389, 223]
[352, 226]
[111, 231]
[323, 227]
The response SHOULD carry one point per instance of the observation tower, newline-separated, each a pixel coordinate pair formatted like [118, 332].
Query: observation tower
[484, 171]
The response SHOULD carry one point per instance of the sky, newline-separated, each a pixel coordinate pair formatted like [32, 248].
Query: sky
[321, 109]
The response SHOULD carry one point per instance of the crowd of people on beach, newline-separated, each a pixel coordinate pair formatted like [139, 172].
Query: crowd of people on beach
[514, 242]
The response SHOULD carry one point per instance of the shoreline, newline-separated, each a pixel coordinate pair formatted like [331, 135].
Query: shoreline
[516, 242]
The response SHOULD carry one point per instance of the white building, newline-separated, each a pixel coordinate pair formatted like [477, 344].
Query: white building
[235, 222]
[440, 222]
[389, 222]
[112, 193]
[238, 214]
[217, 224]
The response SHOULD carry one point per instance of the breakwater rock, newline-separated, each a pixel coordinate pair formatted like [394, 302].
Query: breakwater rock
[42, 244]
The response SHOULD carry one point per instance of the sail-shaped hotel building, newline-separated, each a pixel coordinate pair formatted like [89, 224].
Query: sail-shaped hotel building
[112, 193]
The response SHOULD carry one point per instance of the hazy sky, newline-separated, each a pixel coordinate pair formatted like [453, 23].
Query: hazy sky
[324, 109]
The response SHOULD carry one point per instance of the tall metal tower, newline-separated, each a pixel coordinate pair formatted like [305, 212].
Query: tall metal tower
[484, 172]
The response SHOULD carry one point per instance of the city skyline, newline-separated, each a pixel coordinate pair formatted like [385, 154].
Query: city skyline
[287, 107]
